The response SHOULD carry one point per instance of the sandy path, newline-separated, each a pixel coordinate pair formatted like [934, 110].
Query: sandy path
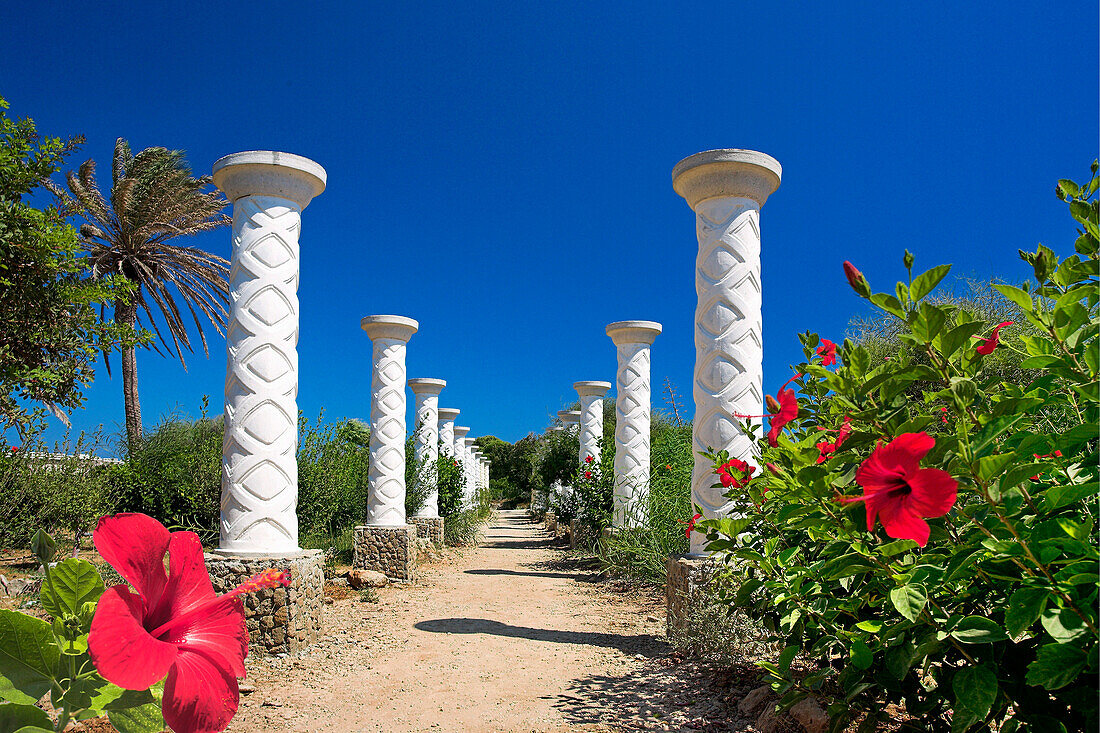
[504, 637]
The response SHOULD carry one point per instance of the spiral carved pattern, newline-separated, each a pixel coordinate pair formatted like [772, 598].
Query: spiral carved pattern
[427, 448]
[728, 343]
[632, 416]
[386, 478]
[259, 495]
[591, 428]
[447, 437]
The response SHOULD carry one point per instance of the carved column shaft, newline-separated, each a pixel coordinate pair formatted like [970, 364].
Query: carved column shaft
[726, 189]
[591, 398]
[389, 336]
[259, 495]
[460, 455]
[447, 418]
[427, 439]
[632, 418]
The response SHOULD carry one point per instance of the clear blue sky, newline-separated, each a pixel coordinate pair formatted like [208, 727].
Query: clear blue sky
[501, 171]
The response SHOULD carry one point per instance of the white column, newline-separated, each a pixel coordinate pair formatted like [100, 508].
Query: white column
[447, 417]
[469, 465]
[632, 417]
[569, 421]
[726, 189]
[386, 478]
[460, 455]
[259, 498]
[591, 394]
[427, 438]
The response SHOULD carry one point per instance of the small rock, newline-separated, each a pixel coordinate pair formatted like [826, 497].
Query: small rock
[245, 688]
[768, 722]
[755, 700]
[359, 578]
[810, 715]
[651, 619]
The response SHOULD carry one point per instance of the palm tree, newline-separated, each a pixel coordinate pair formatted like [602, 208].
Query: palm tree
[153, 199]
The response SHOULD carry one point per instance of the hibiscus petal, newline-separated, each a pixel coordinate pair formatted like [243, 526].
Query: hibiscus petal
[120, 647]
[199, 695]
[134, 545]
[218, 632]
[934, 492]
[877, 475]
[901, 523]
[188, 580]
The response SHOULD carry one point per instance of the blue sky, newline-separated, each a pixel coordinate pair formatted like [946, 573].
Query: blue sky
[501, 171]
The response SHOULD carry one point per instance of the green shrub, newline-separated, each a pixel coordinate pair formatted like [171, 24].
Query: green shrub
[63, 490]
[333, 463]
[978, 610]
[450, 483]
[174, 475]
[643, 550]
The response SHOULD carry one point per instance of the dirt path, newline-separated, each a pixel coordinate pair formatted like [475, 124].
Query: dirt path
[506, 637]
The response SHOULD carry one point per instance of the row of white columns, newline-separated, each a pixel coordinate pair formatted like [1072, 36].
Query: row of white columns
[632, 340]
[725, 188]
[269, 190]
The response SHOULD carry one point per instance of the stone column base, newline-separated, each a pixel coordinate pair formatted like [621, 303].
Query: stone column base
[551, 521]
[429, 528]
[686, 589]
[389, 550]
[280, 620]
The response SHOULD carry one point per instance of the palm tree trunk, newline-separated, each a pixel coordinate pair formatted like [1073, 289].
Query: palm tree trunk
[126, 313]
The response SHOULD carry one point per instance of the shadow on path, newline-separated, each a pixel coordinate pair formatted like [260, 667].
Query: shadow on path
[500, 571]
[645, 644]
[542, 544]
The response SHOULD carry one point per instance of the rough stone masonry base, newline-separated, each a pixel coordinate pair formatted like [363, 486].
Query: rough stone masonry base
[429, 528]
[280, 620]
[686, 589]
[389, 550]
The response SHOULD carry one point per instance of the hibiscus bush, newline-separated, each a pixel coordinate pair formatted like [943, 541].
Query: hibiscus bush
[938, 551]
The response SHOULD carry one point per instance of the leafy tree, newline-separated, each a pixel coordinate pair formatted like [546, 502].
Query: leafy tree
[153, 199]
[49, 328]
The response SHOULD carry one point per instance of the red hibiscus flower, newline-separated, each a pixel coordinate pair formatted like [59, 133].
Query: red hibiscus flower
[691, 525]
[986, 347]
[588, 474]
[773, 468]
[826, 448]
[901, 493]
[783, 410]
[827, 352]
[174, 626]
[588, 459]
[736, 473]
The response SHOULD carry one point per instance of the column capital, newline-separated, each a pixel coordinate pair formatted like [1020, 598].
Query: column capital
[633, 332]
[426, 385]
[569, 417]
[591, 389]
[389, 327]
[730, 172]
[461, 432]
[448, 414]
[269, 173]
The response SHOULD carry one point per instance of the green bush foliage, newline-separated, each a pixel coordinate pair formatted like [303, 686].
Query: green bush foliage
[64, 490]
[937, 551]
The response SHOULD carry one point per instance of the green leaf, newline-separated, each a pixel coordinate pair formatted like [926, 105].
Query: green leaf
[1017, 296]
[871, 626]
[861, 654]
[1069, 188]
[975, 691]
[978, 630]
[991, 466]
[145, 718]
[1055, 666]
[15, 717]
[1059, 496]
[28, 657]
[909, 600]
[1024, 607]
[72, 583]
[788, 656]
[1064, 624]
[924, 283]
[896, 547]
[888, 303]
[746, 589]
